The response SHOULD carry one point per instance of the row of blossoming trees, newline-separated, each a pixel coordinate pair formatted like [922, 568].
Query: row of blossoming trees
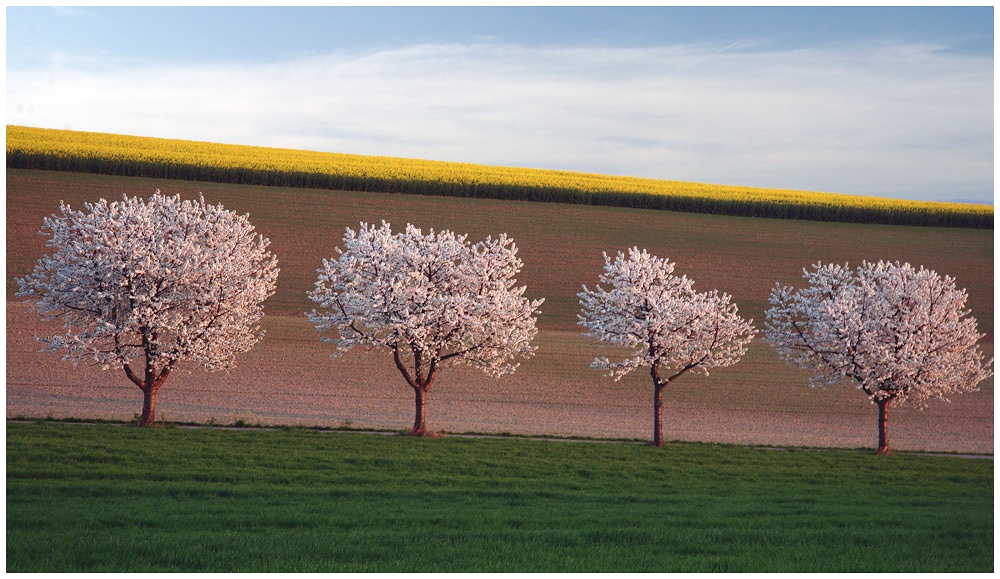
[143, 284]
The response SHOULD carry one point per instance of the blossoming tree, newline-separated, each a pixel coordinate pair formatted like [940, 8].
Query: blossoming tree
[429, 299]
[670, 327]
[897, 332]
[144, 284]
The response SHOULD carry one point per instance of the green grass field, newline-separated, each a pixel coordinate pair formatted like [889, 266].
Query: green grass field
[86, 498]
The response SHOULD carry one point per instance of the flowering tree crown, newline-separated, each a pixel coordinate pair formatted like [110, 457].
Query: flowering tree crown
[897, 331]
[661, 318]
[161, 280]
[434, 297]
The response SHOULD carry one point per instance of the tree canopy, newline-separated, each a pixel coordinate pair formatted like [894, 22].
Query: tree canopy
[668, 326]
[897, 332]
[144, 284]
[431, 299]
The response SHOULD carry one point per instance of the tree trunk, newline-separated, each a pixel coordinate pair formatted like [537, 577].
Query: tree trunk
[148, 417]
[657, 415]
[419, 420]
[149, 383]
[420, 387]
[658, 385]
[883, 419]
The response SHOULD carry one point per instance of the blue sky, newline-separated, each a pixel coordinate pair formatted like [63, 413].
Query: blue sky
[894, 102]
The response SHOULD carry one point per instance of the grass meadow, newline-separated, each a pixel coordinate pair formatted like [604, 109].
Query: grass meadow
[108, 498]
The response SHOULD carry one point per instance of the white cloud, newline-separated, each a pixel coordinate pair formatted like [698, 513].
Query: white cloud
[910, 121]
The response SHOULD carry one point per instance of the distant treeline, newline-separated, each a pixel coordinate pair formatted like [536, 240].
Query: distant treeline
[108, 154]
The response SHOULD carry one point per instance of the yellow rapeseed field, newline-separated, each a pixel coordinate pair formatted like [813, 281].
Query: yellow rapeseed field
[35, 148]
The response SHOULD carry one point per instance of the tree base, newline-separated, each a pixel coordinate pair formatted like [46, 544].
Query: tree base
[426, 433]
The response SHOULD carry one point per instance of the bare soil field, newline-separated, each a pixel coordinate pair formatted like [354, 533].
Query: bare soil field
[289, 378]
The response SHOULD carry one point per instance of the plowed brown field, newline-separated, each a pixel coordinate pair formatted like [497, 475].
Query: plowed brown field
[289, 378]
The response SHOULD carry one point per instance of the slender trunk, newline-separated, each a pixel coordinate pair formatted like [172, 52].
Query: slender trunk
[657, 405]
[883, 419]
[420, 387]
[657, 416]
[419, 420]
[658, 385]
[149, 383]
[148, 417]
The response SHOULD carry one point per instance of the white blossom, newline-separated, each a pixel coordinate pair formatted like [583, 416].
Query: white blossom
[155, 281]
[429, 299]
[663, 320]
[897, 332]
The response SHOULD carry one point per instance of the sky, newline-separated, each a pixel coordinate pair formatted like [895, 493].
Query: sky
[890, 102]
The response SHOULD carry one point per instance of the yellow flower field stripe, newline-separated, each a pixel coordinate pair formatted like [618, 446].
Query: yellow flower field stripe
[178, 159]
